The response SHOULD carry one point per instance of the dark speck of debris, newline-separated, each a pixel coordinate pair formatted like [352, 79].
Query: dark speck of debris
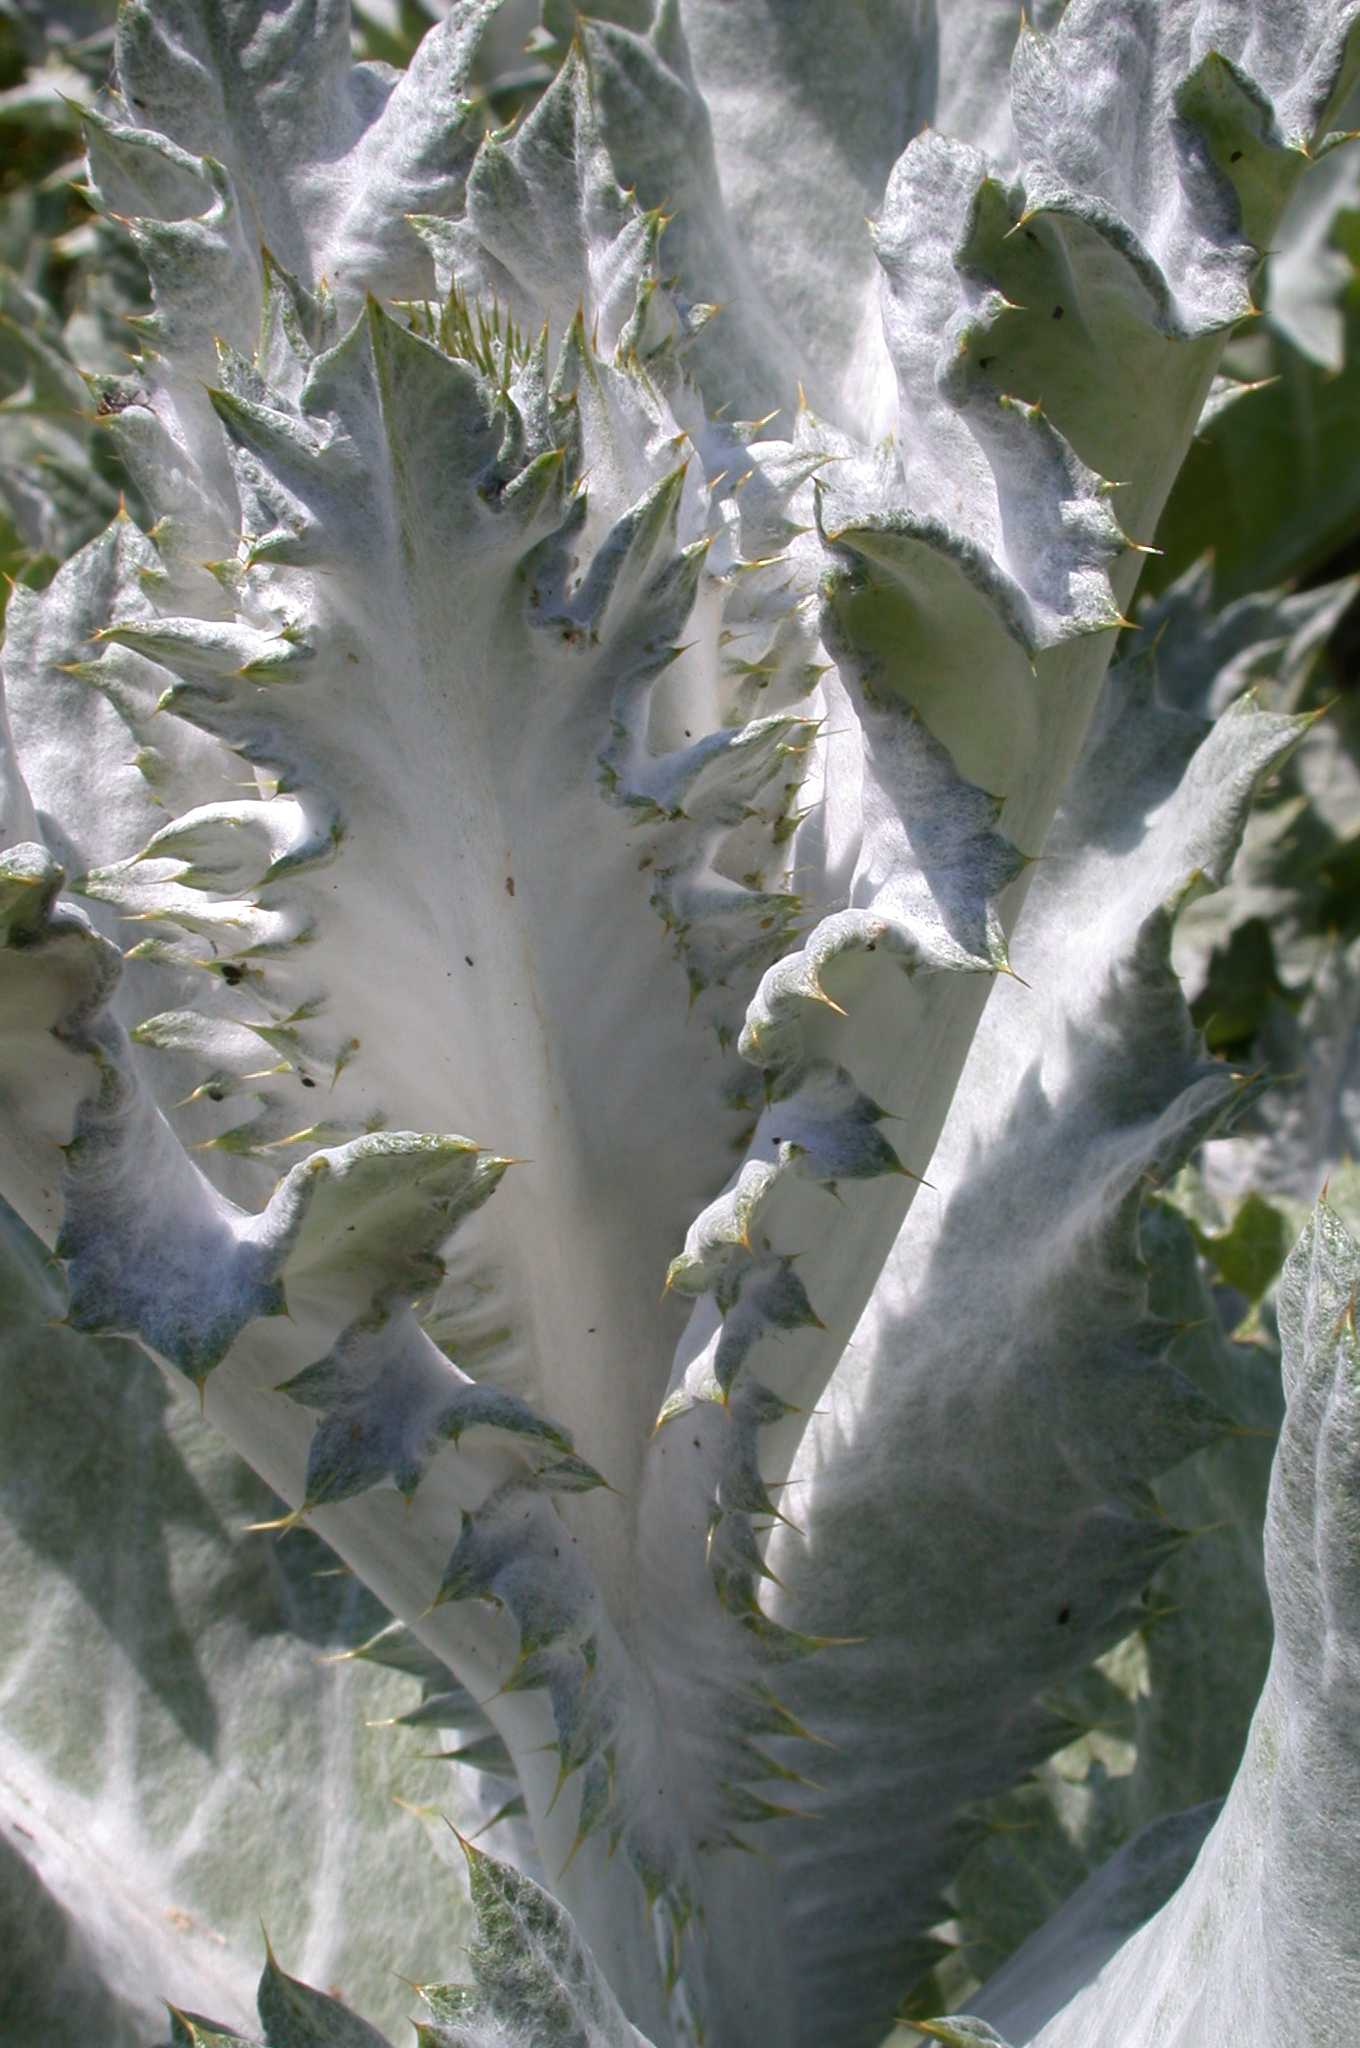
[1057, 312]
[509, 885]
[985, 362]
[1236, 157]
[591, 1331]
[1064, 1615]
[697, 1445]
[216, 1094]
[1030, 235]
[231, 973]
[307, 1080]
[470, 961]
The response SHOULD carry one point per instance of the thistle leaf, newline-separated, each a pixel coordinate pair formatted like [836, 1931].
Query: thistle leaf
[1267, 1906]
[1066, 1167]
[487, 737]
[156, 1810]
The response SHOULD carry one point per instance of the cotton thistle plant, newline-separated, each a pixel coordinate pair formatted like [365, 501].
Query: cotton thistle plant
[620, 668]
